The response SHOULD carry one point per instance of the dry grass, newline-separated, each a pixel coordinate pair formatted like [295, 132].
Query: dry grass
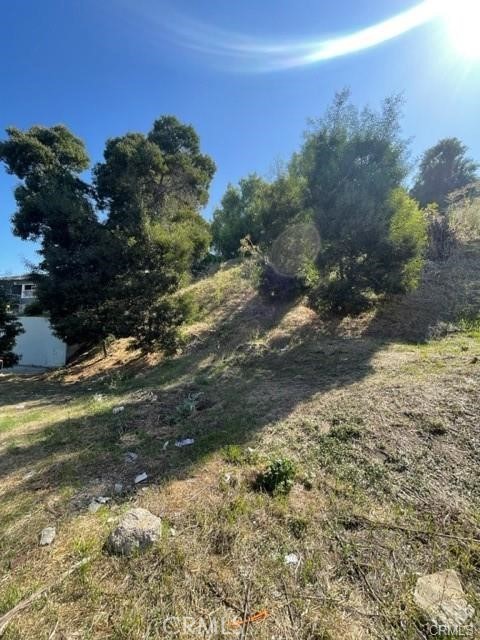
[383, 431]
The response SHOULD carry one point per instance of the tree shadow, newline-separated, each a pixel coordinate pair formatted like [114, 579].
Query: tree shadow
[254, 370]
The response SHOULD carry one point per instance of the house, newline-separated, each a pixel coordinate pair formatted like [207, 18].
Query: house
[37, 346]
[20, 291]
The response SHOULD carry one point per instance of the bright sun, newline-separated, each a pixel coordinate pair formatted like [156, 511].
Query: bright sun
[462, 18]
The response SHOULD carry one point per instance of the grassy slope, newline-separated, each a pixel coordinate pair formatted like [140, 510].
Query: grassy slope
[380, 417]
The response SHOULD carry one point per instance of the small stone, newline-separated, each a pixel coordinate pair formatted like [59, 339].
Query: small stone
[441, 596]
[137, 530]
[130, 456]
[47, 536]
[116, 410]
[141, 477]
[118, 487]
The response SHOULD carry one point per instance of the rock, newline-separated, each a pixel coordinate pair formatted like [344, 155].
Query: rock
[118, 487]
[137, 530]
[116, 410]
[47, 536]
[130, 456]
[140, 478]
[441, 597]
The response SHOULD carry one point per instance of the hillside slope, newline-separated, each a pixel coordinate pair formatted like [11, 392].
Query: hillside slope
[379, 414]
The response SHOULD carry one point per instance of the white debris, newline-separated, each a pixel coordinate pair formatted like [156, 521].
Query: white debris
[165, 445]
[47, 536]
[96, 503]
[140, 478]
[116, 410]
[131, 456]
[20, 406]
[98, 397]
[291, 558]
[185, 442]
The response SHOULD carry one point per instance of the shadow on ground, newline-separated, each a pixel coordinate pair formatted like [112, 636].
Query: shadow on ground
[241, 379]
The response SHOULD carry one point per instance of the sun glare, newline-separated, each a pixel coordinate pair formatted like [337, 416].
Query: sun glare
[462, 18]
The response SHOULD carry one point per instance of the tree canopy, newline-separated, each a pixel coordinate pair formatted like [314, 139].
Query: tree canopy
[443, 168]
[114, 251]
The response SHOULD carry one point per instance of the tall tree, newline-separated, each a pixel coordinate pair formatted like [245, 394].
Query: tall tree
[56, 207]
[443, 168]
[116, 276]
[354, 164]
[152, 187]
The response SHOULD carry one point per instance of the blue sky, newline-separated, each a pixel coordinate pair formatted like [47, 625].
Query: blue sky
[105, 68]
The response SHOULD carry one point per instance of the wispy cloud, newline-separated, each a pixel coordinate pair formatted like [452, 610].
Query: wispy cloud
[256, 54]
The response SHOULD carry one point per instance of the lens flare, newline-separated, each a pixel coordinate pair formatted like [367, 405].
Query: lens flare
[245, 52]
[460, 19]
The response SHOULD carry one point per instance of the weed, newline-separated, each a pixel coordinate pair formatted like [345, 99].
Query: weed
[345, 432]
[187, 406]
[298, 527]
[278, 478]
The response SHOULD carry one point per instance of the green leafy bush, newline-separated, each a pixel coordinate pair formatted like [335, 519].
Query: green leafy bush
[278, 478]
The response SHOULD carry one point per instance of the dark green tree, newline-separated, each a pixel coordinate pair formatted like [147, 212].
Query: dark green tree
[10, 328]
[56, 207]
[116, 276]
[239, 215]
[152, 188]
[354, 164]
[443, 168]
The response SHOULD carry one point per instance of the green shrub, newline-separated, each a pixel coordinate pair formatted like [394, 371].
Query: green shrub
[278, 478]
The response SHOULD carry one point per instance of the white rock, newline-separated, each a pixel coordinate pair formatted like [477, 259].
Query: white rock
[47, 536]
[441, 596]
[138, 529]
[118, 410]
[141, 477]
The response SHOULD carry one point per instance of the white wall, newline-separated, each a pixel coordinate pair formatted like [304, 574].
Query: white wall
[38, 347]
